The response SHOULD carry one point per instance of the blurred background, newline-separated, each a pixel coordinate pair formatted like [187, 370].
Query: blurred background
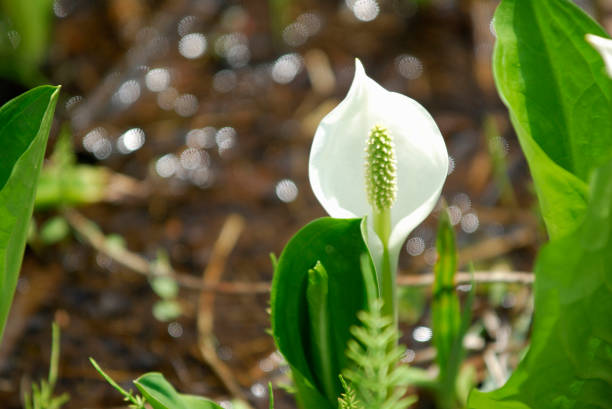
[180, 145]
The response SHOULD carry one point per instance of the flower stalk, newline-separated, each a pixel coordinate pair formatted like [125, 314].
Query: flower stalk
[381, 189]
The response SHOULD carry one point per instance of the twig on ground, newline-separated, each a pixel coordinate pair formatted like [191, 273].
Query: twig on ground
[232, 228]
[92, 235]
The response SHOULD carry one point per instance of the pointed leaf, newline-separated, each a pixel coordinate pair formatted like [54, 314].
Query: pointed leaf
[24, 128]
[337, 244]
[160, 394]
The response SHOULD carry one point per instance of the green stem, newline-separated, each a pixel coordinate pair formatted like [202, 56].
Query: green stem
[382, 227]
[389, 293]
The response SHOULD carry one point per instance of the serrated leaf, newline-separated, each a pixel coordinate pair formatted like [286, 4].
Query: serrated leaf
[24, 129]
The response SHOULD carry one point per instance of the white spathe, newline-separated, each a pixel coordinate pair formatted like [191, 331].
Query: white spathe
[337, 159]
[604, 47]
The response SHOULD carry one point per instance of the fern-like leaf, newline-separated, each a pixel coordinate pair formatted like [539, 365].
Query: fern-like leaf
[376, 375]
[348, 400]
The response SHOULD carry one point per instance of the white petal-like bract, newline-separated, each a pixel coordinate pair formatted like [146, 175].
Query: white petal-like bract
[336, 166]
[604, 46]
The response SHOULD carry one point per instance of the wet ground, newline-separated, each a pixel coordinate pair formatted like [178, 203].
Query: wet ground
[210, 108]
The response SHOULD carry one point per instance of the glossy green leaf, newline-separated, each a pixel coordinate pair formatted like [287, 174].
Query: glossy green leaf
[446, 315]
[448, 322]
[569, 363]
[160, 394]
[24, 129]
[338, 245]
[560, 101]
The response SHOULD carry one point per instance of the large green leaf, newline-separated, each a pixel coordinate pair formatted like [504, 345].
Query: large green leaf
[160, 394]
[569, 363]
[24, 128]
[336, 244]
[560, 101]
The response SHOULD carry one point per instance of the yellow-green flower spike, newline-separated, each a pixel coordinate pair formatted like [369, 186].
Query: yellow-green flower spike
[381, 172]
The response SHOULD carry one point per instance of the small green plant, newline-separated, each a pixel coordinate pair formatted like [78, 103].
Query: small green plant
[378, 379]
[156, 392]
[449, 323]
[348, 398]
[41, 395]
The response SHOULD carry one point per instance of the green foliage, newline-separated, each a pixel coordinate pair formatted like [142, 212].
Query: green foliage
[497, 152]
[24, 33]
[337, 245]
[348, 399]
[54, 230]
[379, 381]
[160, 394]
[157, 392]
[63, 182]
[166, 287]
[41, 396]
[560, 101]
[271, 396]
[449, 325]
[569, 362]
[24, 128]
[136, 401]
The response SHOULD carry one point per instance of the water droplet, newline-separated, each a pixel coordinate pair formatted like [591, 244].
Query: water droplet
[422, 334]
[92, 137]
[258, 390]
[408, 356]
[365, 10]
[463, 201]
[127, 93]
[415, 246]
[225, 138]
[72, 102]
[311, 21]
[454, 214]
[186, 25]
[157, 79]
[192, 158]
[238, 55]
[175, 329]
[470, 223]
[192, 45]
[201, 138]
[409, 66]
[295, 34]
[186, 105]
[167, 165]
[131, 141]
[286, 190]
[286, 67]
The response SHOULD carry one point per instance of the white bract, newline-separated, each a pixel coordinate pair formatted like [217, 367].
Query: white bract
[604, 46]
[337, 160]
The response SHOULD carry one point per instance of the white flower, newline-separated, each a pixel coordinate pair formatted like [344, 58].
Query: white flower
[337, 160]
[604, 47]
